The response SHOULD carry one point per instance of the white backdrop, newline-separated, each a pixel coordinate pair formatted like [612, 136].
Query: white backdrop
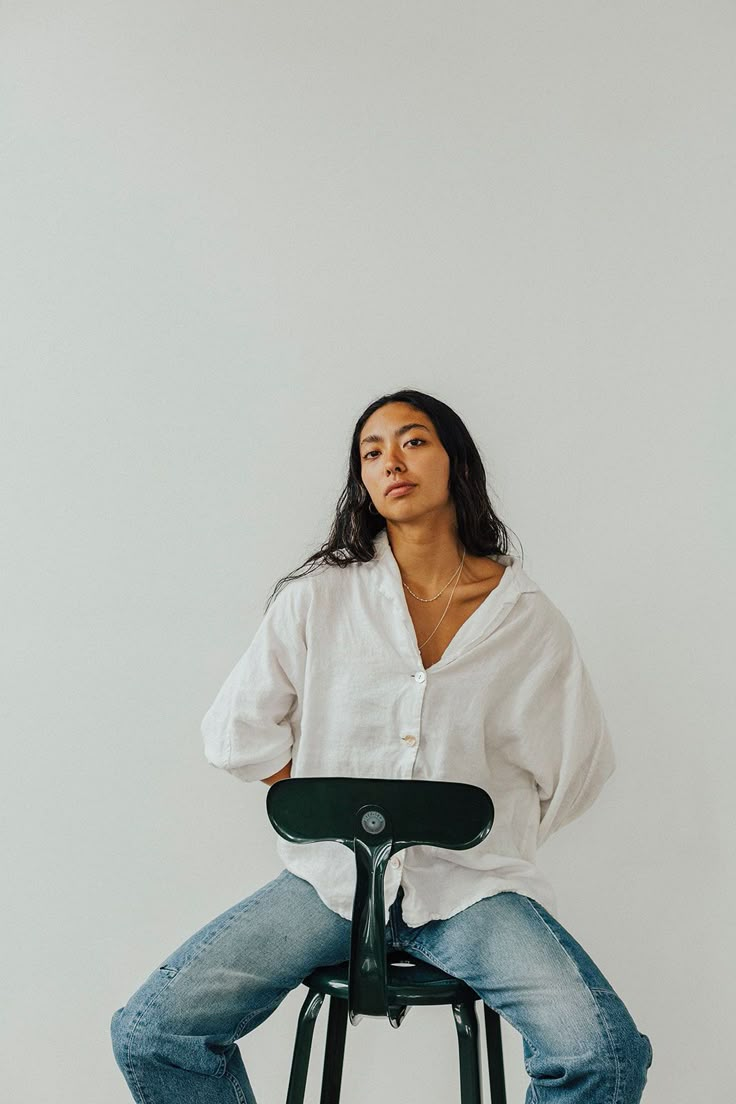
[228, 227]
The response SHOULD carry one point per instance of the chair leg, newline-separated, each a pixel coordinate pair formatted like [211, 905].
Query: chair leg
[303, 1046]
[494, 1047]
[466, 1024]
[334, 1051]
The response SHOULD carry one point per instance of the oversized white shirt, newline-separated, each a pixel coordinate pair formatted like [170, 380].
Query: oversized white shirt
[334, 681]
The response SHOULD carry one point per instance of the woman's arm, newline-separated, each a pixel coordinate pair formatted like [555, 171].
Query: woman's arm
[248, 728]
[579, 756]
[563, 737]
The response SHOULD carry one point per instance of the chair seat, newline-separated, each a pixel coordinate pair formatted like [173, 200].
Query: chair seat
[409, 981]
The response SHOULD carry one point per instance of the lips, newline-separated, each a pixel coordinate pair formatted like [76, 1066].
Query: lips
[398, 486]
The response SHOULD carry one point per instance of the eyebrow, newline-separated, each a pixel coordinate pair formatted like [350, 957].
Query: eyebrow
[375, 437]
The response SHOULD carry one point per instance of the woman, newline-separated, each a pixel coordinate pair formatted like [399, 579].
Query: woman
[412, 645]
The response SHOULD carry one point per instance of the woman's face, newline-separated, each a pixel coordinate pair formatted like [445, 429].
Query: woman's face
[403, 446]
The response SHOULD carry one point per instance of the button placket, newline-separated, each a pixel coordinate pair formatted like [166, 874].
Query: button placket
[410, 739]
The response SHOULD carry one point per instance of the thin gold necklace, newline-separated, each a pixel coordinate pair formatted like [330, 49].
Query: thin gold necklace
[457, 580]
[458, 568]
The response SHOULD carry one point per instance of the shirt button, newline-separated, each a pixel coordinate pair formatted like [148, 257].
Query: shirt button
[420, 676]
[411, 740]
[396, 862]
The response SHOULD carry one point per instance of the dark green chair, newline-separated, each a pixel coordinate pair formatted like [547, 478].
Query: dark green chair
[375, 818]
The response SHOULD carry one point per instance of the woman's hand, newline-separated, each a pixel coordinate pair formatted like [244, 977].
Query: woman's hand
[285, 772]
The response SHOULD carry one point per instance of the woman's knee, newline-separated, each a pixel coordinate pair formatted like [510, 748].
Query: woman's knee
[648, 1052]
[138, 1030]
[633, 1059]
[604, 1050]
[147, 1033]
[130, 1037]
[131, 1042]
[641, 1059]
[117, 1034]
[629, 1052]
[610, 1070]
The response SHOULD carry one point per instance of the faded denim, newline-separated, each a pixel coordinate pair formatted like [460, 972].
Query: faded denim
[175, 1040]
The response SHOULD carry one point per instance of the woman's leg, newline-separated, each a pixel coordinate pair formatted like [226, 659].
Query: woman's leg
[581, 1045]
[175, 1039]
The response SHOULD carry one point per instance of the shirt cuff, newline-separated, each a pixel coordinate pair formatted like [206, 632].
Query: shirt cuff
[256, 772]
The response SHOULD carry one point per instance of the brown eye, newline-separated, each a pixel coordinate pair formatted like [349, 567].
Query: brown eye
[411, 441]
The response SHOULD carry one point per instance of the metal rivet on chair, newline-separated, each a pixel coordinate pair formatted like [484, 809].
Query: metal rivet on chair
[373, 822]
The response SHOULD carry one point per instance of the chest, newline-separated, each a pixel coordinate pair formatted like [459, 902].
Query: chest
[428, 619]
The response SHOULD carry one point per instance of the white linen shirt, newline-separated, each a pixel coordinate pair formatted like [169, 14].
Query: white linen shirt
[334, 681]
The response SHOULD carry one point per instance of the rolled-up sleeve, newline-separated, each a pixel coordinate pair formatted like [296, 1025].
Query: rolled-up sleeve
[247, 730]
[568, 745]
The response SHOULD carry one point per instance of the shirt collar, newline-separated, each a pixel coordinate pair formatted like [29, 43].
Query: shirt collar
[483, 621]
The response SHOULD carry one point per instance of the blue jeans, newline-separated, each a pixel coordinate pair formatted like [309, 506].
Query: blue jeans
[175, 1039]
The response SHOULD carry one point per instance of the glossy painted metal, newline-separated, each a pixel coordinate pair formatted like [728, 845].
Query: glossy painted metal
[375, 818]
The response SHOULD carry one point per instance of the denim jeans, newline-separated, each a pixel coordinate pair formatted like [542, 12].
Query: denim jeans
[175, 1039]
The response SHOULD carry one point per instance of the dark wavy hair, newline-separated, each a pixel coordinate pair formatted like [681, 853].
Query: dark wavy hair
[355, 527]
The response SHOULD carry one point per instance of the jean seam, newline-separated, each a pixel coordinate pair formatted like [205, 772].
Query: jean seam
[592, 991]
[249, 902]
[604, 1021]
[131, 1035]
[239, 1094]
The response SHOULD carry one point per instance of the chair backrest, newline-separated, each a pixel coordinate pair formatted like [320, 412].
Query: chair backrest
[375, 818]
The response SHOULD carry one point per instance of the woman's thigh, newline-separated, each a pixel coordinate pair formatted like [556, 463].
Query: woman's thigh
[526, 965]
[232, 973]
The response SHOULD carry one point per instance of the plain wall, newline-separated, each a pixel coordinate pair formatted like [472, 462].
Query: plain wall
[228, 227]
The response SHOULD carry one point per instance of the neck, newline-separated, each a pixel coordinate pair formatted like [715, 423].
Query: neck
[426, 555]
